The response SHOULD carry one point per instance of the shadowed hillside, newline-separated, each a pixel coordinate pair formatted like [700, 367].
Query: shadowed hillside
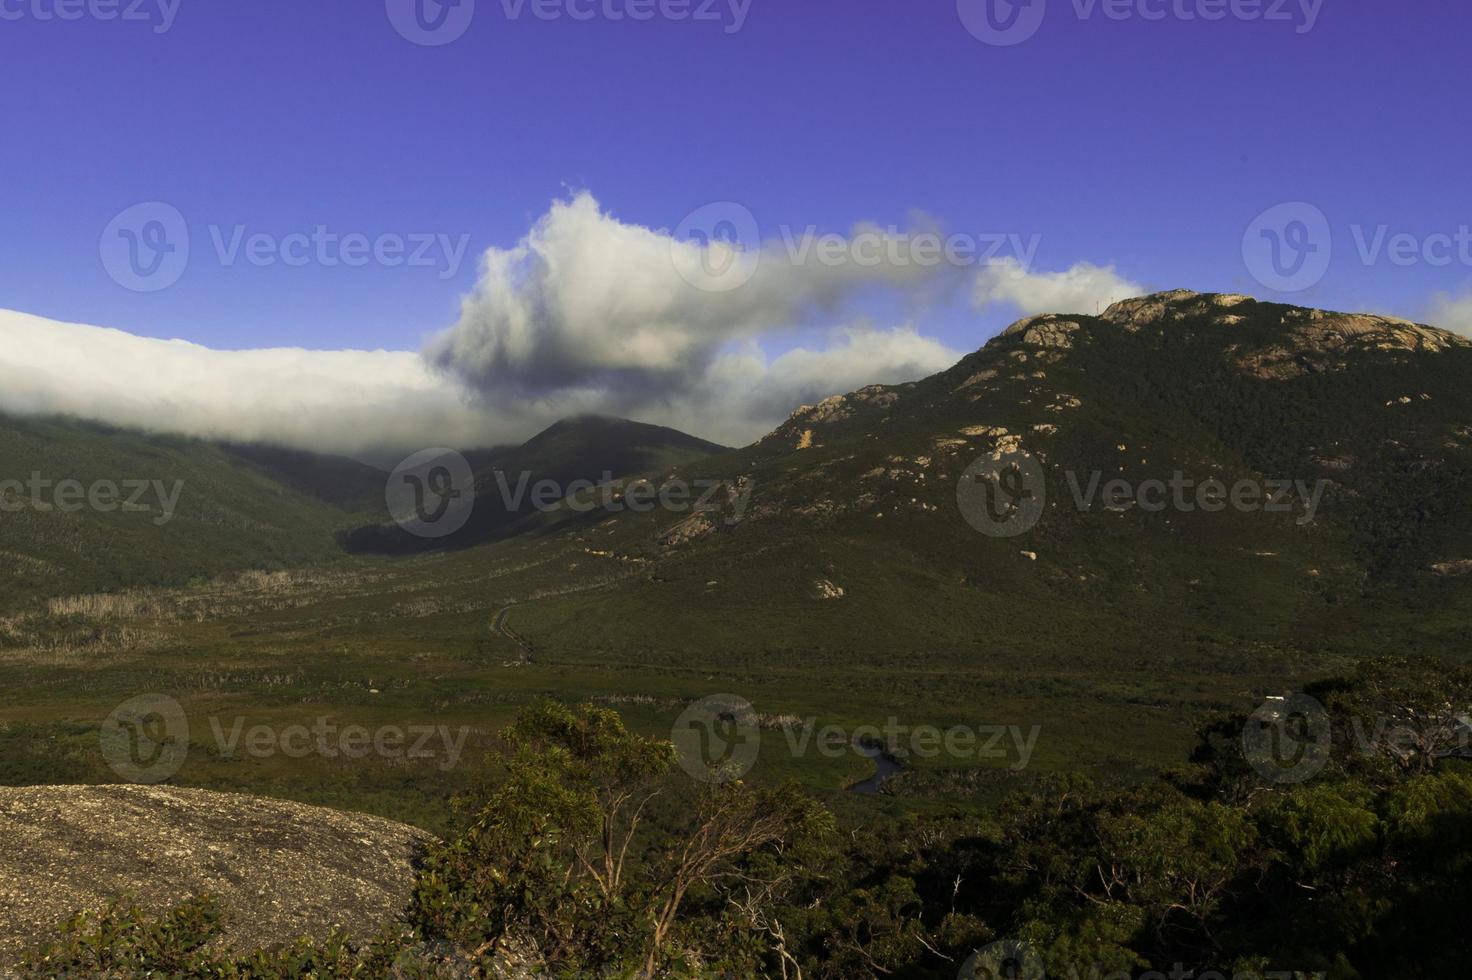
[588, 448]
[89, 508]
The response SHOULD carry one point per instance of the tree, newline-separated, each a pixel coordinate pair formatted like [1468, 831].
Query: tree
[563, 855]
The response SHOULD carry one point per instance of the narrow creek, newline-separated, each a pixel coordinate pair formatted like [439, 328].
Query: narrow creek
[885, 766]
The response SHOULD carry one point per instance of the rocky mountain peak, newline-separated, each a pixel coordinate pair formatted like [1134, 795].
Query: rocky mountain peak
[1173, 305]
[1278, 341]
[1047, 330]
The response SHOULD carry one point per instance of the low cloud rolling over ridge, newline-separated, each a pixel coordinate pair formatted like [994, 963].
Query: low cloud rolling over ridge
[585, 314]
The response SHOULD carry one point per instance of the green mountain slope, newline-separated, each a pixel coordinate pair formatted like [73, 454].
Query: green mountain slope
[586, 448]
[853, 559]
[209, 509]
[336, 480]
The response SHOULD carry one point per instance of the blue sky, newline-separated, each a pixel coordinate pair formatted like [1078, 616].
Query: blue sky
[1145, 144]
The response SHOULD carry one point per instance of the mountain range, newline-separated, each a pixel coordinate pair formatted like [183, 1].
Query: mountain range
[842, 567]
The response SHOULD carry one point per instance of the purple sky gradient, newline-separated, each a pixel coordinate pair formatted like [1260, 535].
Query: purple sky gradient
[1147, 144]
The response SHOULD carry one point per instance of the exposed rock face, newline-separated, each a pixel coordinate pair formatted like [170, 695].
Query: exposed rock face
[692, 528]
[1177, 304]
[832, 409]
[799, 432]
[988, 375]
[1462, 566]
[828, 590]
[282, 870]
[1047, 330]
[1311, 341]
[1142, 310]
[1318, 341]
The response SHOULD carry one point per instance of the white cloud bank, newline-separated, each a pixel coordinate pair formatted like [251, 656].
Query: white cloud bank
[586, 314]
[586, 301]
[1085, 288]
[327, 401]
[364, 402]
[1452, 312]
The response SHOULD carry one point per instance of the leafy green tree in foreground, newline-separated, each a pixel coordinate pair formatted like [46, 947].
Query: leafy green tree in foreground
[563, 856]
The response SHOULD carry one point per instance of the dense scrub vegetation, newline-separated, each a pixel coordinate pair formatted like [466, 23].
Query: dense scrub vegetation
[1348, 854]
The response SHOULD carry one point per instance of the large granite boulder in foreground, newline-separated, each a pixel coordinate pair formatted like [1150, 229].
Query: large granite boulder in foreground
[281, 869]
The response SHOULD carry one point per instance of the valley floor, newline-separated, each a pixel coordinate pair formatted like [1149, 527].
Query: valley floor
[431, 656]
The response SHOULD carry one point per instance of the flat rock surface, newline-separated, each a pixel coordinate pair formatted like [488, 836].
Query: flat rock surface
[281, 869]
